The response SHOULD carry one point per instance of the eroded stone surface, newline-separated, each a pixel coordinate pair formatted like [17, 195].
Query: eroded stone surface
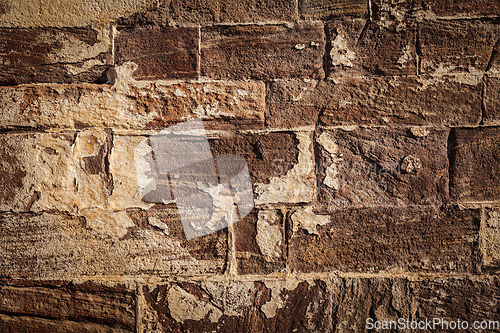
[491, 114]
[475, 171]
[263, 51]
[490, 237]
[397, 168]
[383, 239]
[462, 8]
[132, 105]
[48, 55]
[322, 9]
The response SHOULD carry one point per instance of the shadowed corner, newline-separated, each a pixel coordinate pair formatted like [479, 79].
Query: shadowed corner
[176, 165]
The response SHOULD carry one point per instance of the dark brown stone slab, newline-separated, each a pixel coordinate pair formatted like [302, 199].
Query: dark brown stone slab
[413, 239]
[159, 52]
[239, 306]
[323, 9]
[374, 101]
[491, 115]
[263, 51]
[382, 166]
[361, 47]
[475, 171]
[48, 55]
[455, 47]
[87, 308]
[463, 8]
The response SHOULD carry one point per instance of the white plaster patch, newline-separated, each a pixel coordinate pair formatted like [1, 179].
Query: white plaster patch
[113, 224]
[340, 53]
[269, 235]
[308, 220]
[184, 306]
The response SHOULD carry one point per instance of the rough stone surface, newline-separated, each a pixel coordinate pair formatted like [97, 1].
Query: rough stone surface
[263, 51]
[440, 43]
[462, 8]
[398, 169]
[385, 239]
[359, 47]
[490, 237]
[260, 242]
[324, 9]
[239, 306]
[491, 115]
[49, 55]
[63, 307]
[159, 52]
[385, 101]
[130, 104]
[60, 246]
[475, 172]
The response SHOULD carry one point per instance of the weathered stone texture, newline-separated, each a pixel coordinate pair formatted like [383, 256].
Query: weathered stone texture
[323, 9]
[462, 8]
[414, 239]
[50, 55]
[260, 242]
[490, 237]
[133, 105]
[403, 166]
[455, 47]
[475, 171]
[60, 246]
[491, 115]
[159, 52]
[239, 306]
[360, 47]
[67, 308]
[449, 101]
[263, 51]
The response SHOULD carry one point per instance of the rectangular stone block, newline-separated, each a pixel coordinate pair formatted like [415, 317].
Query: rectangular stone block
[490, 238]
[133, 105]
[280, 163]
[66, 308]
[134, 242]
[323, 9]
[277, 305]
[460, 9]
[491, 101]
[263, 51]
[159, 52]
[357, 47]
[455, 47]
[414, 239]
[448, 101]
[48, 55]
[260, 242]
[382, 166]
[474, 167]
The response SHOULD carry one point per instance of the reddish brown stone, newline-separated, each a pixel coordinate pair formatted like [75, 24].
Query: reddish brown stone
[322, 9]
[491, 115]
[49, 55]
[159, 52]
[85, 309]
[463, 8]
[474, 167]
[413, 239]
[398, 100]
[395, 11]
[455, 47]
[363, 47]
[267, 155]
[240, 307]
[263, 51]
[382, 166]
[260, 245]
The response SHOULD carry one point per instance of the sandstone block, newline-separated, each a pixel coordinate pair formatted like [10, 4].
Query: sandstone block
[491, 114]
[323, 9]
[462, 8]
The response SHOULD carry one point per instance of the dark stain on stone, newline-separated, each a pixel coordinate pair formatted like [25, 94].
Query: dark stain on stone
[11, 174]
[4, 7]
[50, 151]
[34, 198]
[99, 164]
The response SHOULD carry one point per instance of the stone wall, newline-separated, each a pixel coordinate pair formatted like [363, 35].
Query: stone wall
[370, 130]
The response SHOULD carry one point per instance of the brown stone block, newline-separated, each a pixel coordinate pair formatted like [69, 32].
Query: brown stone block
[455, 47]
[239, 306]
[59, 246]
[491, 99]
[260, 242]
[382, 166]
[415, 239]
[48, 55]
[360, 47]
[323, 9]
[263, 51]
[474, 167]
[462, 8]
[159, 52]
[83, 309]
